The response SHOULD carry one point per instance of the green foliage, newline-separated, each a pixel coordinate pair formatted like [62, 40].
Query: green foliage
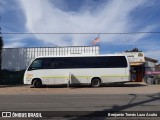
[1, 45]
[134, 50]
[9, 77]
[1, 42]
[12, 77]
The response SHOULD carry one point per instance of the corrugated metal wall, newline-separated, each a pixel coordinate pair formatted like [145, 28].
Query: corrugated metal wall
[19, 58]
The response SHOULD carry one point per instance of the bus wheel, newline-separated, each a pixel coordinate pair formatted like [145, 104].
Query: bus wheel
[96, 82]
[37, 83]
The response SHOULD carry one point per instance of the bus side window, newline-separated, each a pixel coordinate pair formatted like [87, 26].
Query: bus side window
[48, 63]
[45, 63]
[53, 65]
[63, 63]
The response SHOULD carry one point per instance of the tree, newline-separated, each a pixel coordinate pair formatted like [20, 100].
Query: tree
[1, 45]
[134, 50]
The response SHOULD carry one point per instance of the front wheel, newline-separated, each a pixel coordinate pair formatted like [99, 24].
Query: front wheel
[37, 83]
[96, 82]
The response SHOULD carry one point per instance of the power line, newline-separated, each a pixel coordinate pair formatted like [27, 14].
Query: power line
[81, 33]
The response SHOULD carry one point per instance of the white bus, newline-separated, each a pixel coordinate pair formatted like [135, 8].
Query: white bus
[86, 69]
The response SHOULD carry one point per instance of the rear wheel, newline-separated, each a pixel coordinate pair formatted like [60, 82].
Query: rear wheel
[37, 83]
[96, 82]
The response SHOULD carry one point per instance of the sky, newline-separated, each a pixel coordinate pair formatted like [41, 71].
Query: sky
[90, 17]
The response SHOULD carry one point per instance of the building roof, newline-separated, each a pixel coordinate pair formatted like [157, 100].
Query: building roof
[158, 65]
[151, 59]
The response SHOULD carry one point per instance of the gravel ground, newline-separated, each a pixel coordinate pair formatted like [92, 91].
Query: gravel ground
[129, 88]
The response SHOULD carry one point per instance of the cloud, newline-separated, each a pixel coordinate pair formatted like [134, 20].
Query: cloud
[153, 54]
[16, 40]
[7, 5]
[134, 39]
[89, 16]
[2, 6]
[113, 16]
[14, 44]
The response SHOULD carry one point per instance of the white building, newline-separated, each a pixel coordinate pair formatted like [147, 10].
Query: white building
[19, 58]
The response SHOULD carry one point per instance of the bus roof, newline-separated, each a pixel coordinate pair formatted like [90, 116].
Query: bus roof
[77, 55]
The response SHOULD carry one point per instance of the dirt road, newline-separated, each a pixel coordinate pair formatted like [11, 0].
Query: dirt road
[129, 88]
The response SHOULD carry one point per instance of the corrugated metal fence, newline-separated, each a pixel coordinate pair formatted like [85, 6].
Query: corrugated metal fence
[19, 58]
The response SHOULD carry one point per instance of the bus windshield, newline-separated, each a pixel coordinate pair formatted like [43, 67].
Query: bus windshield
[36, 64]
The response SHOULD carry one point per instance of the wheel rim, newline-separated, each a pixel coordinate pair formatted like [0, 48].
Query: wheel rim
[37, 84]
[95, 82]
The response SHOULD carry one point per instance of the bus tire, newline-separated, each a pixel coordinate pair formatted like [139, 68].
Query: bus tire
[37, 83]
[96, 82]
